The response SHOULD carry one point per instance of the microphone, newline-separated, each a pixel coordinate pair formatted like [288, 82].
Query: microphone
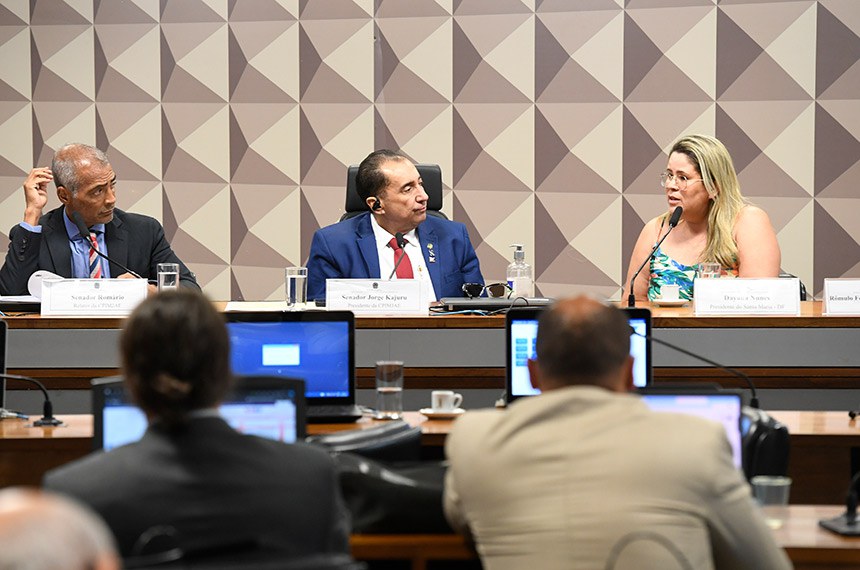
[85, 232]
[401, 243]
[47, 418]
[754, 403]
[673, 221]
[846, 524]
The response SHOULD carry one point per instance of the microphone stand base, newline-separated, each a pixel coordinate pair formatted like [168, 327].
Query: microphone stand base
[841, 526]
[47, 422]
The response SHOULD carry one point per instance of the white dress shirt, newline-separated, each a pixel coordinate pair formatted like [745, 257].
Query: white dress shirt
[412, 249]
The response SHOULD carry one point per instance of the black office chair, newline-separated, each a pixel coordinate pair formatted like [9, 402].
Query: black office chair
[785, 275]
[391, 441]
[766, 444]
[431, 174]
[385, 485]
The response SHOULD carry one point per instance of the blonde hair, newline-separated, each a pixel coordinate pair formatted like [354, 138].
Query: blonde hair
[714, 164]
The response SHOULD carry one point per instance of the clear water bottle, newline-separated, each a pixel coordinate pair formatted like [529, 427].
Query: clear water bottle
[520, 278]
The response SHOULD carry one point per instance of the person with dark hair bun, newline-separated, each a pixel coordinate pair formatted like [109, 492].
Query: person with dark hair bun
[191, 476]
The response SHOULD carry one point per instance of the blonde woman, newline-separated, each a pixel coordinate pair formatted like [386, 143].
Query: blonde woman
[718, 224]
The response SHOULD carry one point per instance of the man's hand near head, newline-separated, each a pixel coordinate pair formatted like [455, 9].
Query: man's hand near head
[36, 194]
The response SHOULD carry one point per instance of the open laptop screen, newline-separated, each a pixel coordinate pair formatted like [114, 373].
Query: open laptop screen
[273, 408]
[521, 336]
[318, 347]
[723, 406]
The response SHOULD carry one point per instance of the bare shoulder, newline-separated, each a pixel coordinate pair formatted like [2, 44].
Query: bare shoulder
[751, 216]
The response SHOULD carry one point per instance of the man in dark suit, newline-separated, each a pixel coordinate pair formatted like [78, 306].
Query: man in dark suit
[364, 247]
[86, 185]
[192, 478]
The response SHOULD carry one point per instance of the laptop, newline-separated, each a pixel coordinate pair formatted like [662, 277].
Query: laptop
[316, 346]
[722, 406]
[273, 408]
[521, 325]
[489, 304]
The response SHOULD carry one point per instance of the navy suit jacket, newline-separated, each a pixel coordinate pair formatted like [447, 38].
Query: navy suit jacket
[347, 250]
[134, 240]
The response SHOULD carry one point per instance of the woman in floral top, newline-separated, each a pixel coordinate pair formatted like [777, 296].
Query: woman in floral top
[718, 224]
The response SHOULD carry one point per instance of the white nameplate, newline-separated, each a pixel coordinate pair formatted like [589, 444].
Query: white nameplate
[841, 297]
[377, 296]
[91, 297]
[729, 296]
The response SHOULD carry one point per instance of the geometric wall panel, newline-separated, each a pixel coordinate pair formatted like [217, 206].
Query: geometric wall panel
[234, 122]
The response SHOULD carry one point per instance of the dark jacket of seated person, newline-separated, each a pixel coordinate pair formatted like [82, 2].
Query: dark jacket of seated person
[192, 476]
[87, 188]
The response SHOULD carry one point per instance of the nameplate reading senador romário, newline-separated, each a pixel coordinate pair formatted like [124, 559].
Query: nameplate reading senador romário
[377, 296]
[91, 297]
[728, 296]
[841, 297]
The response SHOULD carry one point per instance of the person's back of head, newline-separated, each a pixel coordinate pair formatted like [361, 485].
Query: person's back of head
[42, 531]
[581, 341]
[176, 356]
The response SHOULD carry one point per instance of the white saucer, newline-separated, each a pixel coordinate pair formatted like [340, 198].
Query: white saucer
[667, 303]
[442, 415]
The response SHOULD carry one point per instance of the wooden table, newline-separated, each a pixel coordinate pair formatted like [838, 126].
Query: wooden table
[27, 453]
[808, 546]
[819, 464]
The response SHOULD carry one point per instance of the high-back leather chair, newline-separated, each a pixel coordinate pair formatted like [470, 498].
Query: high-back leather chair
[431, 174]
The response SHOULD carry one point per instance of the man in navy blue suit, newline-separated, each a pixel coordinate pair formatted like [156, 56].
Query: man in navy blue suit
[364, 247]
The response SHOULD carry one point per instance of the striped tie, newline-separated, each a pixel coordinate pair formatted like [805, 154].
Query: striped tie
[95, 262]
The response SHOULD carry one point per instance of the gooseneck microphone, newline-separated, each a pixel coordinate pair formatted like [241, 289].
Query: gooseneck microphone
[401, 243]
[846, 524]
[47, 418]
[85, 233]
[753, 396]
[673, 221]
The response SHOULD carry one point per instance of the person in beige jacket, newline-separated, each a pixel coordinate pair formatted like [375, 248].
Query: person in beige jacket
[586, 476]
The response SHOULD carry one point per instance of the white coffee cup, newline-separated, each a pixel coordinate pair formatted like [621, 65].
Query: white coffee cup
[445, 400]
[670, 292]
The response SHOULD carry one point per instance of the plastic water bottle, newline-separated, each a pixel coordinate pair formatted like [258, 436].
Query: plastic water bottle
[520, 278]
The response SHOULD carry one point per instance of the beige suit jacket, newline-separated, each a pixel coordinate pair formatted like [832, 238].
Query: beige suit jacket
[576, 477]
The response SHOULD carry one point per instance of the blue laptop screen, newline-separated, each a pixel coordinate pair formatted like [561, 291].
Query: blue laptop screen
[318, 352]
[268, 413]
[524, 335]
[724, 408]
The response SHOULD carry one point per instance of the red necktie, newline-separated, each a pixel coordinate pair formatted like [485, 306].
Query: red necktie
[95, 262]
[404, 270]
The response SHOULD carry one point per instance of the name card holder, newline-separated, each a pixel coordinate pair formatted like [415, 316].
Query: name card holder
[377, 296]
[746, 296]
[91, 297]
[841, 297]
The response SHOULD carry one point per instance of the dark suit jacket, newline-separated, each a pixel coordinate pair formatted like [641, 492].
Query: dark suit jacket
[215, 487]
[347, 250]
[134, 240]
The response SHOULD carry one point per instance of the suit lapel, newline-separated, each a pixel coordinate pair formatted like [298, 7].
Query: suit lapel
[58, 243]
[367, 246]
[430, 248]
[116, 240]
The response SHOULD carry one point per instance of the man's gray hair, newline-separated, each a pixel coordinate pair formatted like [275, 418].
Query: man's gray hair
[67, 160]
[44, 531]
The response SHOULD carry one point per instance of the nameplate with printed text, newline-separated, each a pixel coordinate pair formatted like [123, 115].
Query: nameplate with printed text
[727, 296]
[841, 297]
[377, 296]
[91, 297]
